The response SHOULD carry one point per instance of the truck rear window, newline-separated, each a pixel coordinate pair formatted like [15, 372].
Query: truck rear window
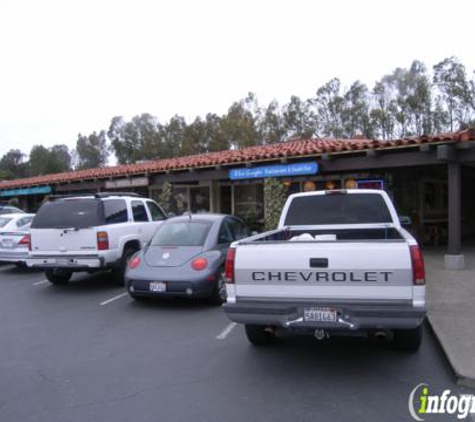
[69, 213]
[337, 209]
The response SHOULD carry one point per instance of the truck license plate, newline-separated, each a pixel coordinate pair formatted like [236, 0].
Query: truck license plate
[157, 286]
[319, 314]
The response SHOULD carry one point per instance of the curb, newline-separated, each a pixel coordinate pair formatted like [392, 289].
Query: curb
[461, 379]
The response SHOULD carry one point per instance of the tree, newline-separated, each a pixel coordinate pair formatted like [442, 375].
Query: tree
[59, 159]
[274, 198]
[6, 175]
[123, 148]
[216, 139]
[272, 125]
[383, 112]
[166, 196]
[39, 160]
[44, 160]
[13, 164]
[454, 90]
[172, 135]
[298, 118]
[92, 151]
[195, 138]
[329, 103]
[240, 125]
[355, 114]
[139, 139]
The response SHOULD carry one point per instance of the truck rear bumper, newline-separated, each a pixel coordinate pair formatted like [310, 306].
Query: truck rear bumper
[350, 316]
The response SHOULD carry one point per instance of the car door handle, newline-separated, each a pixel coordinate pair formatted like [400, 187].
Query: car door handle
[318, 262]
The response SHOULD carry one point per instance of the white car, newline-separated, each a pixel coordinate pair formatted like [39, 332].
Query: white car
[14, 238]
[91, 233]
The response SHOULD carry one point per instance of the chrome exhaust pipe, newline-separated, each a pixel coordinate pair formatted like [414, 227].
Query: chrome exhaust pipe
[380, 335]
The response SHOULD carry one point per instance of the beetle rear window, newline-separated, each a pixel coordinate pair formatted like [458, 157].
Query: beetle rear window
[181, 234]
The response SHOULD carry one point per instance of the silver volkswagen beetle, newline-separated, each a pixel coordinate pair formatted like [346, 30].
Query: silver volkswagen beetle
[185, 258]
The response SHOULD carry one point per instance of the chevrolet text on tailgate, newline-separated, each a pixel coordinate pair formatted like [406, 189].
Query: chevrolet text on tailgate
[338, 263]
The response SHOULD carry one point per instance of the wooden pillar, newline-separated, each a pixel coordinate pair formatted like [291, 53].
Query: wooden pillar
[454, 208]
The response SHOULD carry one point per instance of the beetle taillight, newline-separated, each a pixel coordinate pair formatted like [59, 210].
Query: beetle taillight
[418, 268]
[134, 262]
[199, 264]
[229, 266]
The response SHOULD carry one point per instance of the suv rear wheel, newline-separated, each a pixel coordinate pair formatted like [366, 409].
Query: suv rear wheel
[58, 276]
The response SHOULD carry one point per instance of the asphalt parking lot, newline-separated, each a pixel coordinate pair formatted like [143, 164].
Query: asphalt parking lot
[87, 352]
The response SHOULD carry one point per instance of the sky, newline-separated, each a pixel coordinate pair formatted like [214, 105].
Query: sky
[68, 67]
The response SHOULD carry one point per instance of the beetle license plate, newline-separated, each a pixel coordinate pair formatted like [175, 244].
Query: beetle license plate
[157, 286]
[319, 314]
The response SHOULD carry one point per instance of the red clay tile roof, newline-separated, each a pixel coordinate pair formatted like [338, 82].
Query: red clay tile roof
[293, 148]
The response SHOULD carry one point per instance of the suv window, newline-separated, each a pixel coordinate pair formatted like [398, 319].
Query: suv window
[155, 211]
[139, 212]
[115, 211]
[67, 213]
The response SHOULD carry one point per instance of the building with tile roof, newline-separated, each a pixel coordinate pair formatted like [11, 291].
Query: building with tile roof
[431, 179]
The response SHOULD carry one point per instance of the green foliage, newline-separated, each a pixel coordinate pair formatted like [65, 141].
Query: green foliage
[6, 175]
[165, 198]
[92, 151]
[43, 160]
[13, 165]
[274, 198]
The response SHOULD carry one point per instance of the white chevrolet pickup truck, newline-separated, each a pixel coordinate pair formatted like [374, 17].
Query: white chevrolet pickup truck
[339, 263]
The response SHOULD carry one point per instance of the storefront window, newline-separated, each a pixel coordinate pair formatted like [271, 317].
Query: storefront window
[249, 203]
[180, 196]
[225, 194]
[199, 199]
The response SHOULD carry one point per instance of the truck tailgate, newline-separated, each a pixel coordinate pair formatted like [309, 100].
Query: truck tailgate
[324, 270]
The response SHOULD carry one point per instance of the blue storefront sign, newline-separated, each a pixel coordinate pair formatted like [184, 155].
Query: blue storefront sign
[277, 170]
[42, 190]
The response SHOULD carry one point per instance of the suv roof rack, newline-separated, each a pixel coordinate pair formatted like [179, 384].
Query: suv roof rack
[97, 195]
[107, 194]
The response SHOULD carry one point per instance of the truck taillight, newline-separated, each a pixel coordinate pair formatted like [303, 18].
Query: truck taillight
[418, 268]
[26, 240]
[102, 241]
[229, 267]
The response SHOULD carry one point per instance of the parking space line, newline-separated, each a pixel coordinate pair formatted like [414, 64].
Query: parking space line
[106, 302]
[223, 334]
[39, 283]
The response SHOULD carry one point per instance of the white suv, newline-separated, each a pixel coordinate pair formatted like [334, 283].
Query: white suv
[90, 233]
